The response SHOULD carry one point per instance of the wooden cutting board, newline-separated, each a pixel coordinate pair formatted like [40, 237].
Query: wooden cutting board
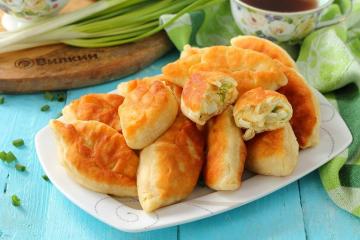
[64, 67]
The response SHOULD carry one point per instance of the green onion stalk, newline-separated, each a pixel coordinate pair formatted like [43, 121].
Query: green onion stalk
[104, 23]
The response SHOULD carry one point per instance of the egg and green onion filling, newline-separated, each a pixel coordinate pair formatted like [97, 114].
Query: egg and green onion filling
[271, 114]
[208, 96]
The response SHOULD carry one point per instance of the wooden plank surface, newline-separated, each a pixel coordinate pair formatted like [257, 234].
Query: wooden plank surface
[321, 218]
[21, 118]
[290, 213]
[277, 216]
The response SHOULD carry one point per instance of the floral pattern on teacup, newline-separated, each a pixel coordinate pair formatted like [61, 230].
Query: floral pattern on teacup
[305, 27]
[31, 9]
[255, 21]
[282, 28]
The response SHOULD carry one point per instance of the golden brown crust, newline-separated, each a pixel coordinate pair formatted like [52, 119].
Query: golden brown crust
[194, 92]
[175, 89]
[228, 60]
[264, 46]
[249, 68]
[273, 153]
[226, 153]
[169, 168]
[305, 120]
[248, 80]
[97, 157]
[306, 116]
[189, 51]
[99, 107]
[146, 113]
[178, 72]
[257, 96]
[216, 56]
[125, 88]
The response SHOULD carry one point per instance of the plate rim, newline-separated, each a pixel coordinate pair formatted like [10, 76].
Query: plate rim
[76, 201]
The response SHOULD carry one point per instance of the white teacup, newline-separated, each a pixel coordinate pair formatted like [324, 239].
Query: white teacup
[19, 13]
[280, 26]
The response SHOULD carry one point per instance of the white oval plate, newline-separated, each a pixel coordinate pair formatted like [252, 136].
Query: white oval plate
[126, 214]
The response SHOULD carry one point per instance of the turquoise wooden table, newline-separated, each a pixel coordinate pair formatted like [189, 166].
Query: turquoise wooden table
[301, 210]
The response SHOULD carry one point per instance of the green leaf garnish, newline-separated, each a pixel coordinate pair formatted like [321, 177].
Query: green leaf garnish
[10, 157]
[20, 168]
[46, 178]
[3, 155]
[61, 97]
[49, 96]
[18, 142]
[2, 99]
[15, 200]
[45, 108]
[7, 157]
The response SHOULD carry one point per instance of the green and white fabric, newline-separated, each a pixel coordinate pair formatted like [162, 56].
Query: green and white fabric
[328, 58]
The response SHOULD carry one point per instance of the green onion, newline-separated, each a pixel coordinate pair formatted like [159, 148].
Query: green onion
[2, 99]
[49, 96]
[58, 21]
[20, 168]
[61, 97]
[7, 157]
[46, 178]
[18, 142]
[107, 42]
[20, 46]
[59, 115]
[45, 108]
[15, 200]
[101, 24]
[3, 155]
[10, 157]
[224, 88]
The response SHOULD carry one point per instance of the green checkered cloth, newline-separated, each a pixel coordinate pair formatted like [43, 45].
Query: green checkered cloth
[328, 58]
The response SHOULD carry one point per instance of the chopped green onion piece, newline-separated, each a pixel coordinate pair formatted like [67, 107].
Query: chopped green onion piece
[61, 97]
[2, 99]
[10, 157]
[224, 88]
[46, 178]
[3, 155]
[45, 108]
[18, 142]
[20, 168]
[59, 114]
[49, 96]
[15, 200]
